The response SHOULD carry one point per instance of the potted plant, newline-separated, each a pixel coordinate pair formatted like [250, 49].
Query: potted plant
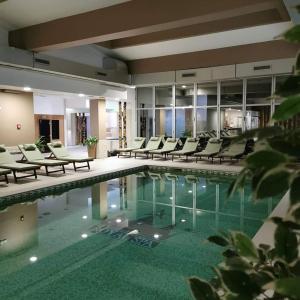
[91, 143]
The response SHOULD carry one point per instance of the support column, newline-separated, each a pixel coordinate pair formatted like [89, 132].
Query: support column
[98, 125]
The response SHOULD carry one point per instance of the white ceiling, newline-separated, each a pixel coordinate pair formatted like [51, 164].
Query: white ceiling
[218, 40]
[21, 13]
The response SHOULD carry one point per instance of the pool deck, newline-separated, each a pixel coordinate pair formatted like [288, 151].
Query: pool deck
[104, 166]
[114, 164]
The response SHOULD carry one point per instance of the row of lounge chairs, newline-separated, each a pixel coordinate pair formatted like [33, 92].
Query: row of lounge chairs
[212, 150]
[33, 160]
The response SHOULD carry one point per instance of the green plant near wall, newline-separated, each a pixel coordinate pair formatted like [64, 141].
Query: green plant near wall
[249, 272]
[91, 140]
[187, 133]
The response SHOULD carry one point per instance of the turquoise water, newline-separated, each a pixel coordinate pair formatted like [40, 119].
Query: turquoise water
[135, 237]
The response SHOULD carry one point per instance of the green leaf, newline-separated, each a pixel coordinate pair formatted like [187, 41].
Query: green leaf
[295, 268]
[265, 159]
[238, 183]
[286, 243]
[262, 277]
[293, 35]
[288, 287]
[295, 190]
[229, 253]
[202, 290]
[295, 212]
[245, 246]
[288, 108]
[218, 240]
[237, 297]
[285, 145]
[237, 263]
[273, 182]
[290, 86]
[239, 282]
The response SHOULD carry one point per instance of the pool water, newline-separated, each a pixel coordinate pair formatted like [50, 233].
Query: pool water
[135, 237]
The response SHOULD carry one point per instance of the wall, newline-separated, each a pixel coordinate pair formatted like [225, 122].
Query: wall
[16, 109]
[48, 105]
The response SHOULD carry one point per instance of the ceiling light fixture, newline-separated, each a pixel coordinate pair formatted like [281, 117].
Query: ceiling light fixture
[183, 86]
[81, 95]
[27, 89]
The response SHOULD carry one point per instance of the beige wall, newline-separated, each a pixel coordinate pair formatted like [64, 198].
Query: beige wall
[16, 109]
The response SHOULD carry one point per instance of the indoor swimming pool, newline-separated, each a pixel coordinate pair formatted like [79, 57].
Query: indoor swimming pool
[134, 237]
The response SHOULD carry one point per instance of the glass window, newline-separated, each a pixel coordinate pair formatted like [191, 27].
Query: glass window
[232, 92]
[279, 81]
[232, 120]
[145, 123]
[258, 89]
[144, 97]
[206, 120]
[184, 122]
[184, 95]
[257, 116]
[207, 94]
[112, 119]
[163, 122]
[163, 96]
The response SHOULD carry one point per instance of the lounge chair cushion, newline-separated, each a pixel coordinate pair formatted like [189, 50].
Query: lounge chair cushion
[76, 159]
[29, 147]
[138, 139]
[4, 172]
[19, 167]
[49, 162]
[56, 144]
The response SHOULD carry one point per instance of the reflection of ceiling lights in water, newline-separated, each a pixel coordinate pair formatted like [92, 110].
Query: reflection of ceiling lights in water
[84, 217]
[118, 220]
[204, 186]
[171, 198]
[33, 259]
[84, 235]
[156, 236]
[190, 191]
[113, 206]
[183, 220]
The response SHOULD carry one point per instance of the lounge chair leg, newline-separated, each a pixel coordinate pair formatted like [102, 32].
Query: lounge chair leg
[88, 165]
[129, 154]
[34, 172]
[46, 167]
[63, 169]
[74, 165]
[6, 178]
[172, 157]
[135, 155]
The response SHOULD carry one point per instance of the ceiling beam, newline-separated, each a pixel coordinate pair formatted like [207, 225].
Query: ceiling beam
[129, 19]
[248, 20]
[217, 57]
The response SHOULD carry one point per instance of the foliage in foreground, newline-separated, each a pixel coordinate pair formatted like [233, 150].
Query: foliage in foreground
[249, 272]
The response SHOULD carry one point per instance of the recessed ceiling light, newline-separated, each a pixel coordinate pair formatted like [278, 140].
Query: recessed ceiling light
[84, 235]
[84, 217]
[156, 236]
[27, 88]
[118, 220]
[113, 206]
[183, 86]
[81, 95]
[33, 258]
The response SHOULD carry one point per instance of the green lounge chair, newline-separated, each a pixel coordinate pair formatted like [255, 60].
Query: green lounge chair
[168, 147]
[138, 143]
[59, 151]
[7, 162]
[33, 156]
[189, 148]
[153, 144]
[4, 172]
[233, 151]
[212, 148]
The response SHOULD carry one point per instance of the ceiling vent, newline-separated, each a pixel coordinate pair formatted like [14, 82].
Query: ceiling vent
[188, 75]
